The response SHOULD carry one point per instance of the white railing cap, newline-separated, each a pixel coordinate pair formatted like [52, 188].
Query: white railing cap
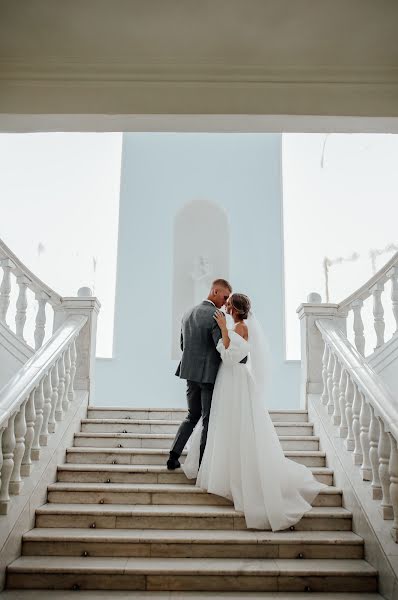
[369, 382]
[365, 290]
[37, 284]
[30, 374]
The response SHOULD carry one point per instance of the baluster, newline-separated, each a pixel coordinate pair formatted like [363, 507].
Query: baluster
[67, 360]
[73, 356]
[20, 429]
[22, 305]
[59, 413]
[356, 428]
[2, 429]
[54, 398]
[378, 314]
[331, 363]
[393, 275]
[342, 389]
[384, 473]
[26, 466]
[8, 445]
[374, 434]
[325, 360]
[5, 287]
[336, 393]
[47, 391]
[364, 421]
[358, 326]
[40, 329]
[393, 468]
[349, 397]
[39, 404]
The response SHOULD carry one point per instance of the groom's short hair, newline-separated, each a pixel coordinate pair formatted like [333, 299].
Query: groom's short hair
[222, 283]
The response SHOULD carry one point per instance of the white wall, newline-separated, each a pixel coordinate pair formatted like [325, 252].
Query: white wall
[162, 173]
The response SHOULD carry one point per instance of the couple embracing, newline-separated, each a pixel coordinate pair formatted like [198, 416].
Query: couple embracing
[233, 448]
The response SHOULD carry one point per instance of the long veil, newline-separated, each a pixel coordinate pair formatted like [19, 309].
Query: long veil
[259, 361]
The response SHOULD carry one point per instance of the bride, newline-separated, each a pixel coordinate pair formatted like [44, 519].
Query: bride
[243, 459]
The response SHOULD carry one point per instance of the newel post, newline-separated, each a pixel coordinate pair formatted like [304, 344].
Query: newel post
[83, 304]
[312, 346]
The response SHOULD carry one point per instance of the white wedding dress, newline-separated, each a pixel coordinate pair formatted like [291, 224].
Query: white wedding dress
[243, 458]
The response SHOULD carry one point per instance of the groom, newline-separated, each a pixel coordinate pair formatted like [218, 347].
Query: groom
[199, 365]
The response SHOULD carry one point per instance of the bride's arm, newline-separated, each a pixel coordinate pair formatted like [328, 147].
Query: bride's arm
[222, 323]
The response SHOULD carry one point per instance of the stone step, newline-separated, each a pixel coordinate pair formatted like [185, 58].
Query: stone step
[114, 516]
[141, 595]
[192, 544]
[152, 456]
[119, 425]
[164, 440]
[218, 574]
[120, 412]
[96, 473]
[142, 493]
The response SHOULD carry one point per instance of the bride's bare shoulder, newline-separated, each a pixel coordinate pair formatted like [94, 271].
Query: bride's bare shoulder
[241, 329]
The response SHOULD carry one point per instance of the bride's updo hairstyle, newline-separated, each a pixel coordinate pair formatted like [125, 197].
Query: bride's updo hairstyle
[241, 304]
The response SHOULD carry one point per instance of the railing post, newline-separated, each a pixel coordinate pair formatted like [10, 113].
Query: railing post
[312, 346]
[83, 304]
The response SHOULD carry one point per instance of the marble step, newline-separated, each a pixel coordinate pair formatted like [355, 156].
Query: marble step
[157, 456]
[133, 493]
[226, 574]
[165, 440]
[141, 595]
[120, 425]
[116, 412]
[114, 516]
[192, 544]
[96, 473]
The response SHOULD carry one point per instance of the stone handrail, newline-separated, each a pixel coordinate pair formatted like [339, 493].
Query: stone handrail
[33, 401]
[373, 287]
[25, 279]
[366, 415]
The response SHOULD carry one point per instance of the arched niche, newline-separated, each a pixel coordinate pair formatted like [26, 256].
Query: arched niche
[200, 255]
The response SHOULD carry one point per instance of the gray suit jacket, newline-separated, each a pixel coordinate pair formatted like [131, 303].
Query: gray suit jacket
[199, 337]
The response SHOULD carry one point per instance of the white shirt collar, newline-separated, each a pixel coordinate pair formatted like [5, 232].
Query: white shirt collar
[211, 302]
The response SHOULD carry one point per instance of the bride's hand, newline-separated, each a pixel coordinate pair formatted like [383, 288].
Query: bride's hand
[221, 320]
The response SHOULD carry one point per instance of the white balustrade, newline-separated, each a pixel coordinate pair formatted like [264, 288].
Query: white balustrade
[364, 422]
[349, 399]
[356, 428]
[378, 314]
[358, 326]
[374, 436]
[47, 394]
[27, 464]
[39, 394]
[325, 362]
[342, 402]
[19, 450]
[393, 276]
[22, 305]
[61, 389]
[40, 328]
[5, 288]
[54, 398]
[331, 365]
[384, 472]
[8, 445]
[351, 394]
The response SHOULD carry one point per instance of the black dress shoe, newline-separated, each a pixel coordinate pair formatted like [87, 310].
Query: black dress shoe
[173, 463]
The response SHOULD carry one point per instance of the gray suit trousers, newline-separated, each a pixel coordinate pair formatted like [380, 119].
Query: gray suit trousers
[199, 396]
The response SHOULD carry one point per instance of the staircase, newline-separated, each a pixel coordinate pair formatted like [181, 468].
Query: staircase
[116, 519]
